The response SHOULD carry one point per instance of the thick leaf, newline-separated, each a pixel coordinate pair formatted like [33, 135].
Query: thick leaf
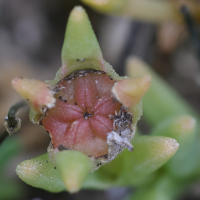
[181, 128]
[161, 100]
[150, 153]
[163, 189]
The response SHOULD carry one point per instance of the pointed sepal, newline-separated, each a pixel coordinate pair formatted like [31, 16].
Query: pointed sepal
[80, 49]
[130, 91]
[74, 168]
[40, 172]
[36, 93]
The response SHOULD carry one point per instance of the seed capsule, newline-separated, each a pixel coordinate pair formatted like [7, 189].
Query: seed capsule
[83, 122]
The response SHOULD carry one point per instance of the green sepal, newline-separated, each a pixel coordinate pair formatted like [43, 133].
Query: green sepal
[80, 49]
[74, 167]
[40, 172]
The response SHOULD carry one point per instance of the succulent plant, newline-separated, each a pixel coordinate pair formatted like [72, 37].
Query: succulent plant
[91, 114]
[89, 111]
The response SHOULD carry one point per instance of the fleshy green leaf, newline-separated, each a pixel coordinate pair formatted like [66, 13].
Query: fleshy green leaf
[74, 167]
[161, 101]
[150, 153]
[164, 188]
[181, 128]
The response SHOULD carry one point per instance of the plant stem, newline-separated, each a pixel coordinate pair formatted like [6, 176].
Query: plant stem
[12, 112]
[12, 122]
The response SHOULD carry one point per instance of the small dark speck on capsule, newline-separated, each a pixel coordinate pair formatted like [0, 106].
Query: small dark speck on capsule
[65, 101]
[77, 59]
[54, 167]
[75, 103]
[60, 97]
[99, 164]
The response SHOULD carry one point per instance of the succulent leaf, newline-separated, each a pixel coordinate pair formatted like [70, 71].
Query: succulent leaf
[164, 188]
[151, 152]
[161, 101]
[149, 155]
[181, 128]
